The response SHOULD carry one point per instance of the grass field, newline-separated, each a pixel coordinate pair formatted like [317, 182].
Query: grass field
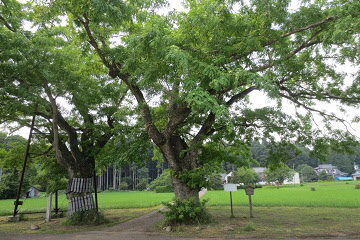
[107, 200]
[277, 223]
[326, 194]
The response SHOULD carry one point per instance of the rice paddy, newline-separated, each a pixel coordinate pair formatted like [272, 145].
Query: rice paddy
[326, 194]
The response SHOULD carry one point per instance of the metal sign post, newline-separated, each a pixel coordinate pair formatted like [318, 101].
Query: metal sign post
[230, 188]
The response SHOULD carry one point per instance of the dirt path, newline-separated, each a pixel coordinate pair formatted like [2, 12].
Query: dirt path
[138, 228]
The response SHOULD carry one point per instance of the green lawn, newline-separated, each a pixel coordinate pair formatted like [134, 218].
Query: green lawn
[107, 200]
[327, 194]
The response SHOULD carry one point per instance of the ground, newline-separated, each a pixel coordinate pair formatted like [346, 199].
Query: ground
[269, 223]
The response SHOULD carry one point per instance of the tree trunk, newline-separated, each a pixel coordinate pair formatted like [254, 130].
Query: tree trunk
[114, 177]
[80, 186]
[79, 194]
[183, 191]
[119, 179]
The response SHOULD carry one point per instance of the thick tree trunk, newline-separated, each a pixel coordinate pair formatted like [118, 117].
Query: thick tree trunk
[183, 191]
[79, 194]
[80, 186]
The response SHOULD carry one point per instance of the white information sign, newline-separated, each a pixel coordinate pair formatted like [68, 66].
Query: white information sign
[230, 187]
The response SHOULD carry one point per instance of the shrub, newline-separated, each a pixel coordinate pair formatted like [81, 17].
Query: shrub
[164, 189]
[123, 186]
[187, 212]
[90, 217]
[249, 228]
[163, 180]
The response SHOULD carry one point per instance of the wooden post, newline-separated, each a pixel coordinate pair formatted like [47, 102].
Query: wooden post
[48, 208]
[232, 212]
[56, 203]
[250, 205]
[95, 191]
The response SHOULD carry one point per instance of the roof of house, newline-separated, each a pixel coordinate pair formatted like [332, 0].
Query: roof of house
[325, 166]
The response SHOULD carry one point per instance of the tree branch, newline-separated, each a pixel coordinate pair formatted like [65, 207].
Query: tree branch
[240, 95]
[7, 25]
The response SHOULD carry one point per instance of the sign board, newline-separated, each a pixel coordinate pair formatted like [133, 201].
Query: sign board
[249, 190]
[230, 187]
[19, 202]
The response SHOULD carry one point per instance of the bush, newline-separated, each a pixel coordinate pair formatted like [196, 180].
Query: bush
[164, 189]
[123, 186]
[186, 212]
[90, 217]
[163, 180]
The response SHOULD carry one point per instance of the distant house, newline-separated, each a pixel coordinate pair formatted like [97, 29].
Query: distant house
[330, 170]
[356, 175]
[33, 192]
[225, 177]
[260, 171]
[294, 180]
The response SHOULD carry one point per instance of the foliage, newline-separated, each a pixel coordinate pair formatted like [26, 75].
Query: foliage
[279, 174]
[9, 184]
[163, 180]
[164, 189]
[215, 181]
[124, 186]
[91, 217]
[247, 176]
[142, 184]
[307, 173]
[323, 176]
[188, 212]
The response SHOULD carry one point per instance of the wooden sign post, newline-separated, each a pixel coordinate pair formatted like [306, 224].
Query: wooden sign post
[230, 188]
[250, 191]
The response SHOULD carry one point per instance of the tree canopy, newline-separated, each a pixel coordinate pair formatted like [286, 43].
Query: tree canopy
[189, 74]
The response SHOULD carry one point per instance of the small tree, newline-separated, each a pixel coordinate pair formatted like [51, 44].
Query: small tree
[163, 180]
[246, 176]
[215, 181]
[323, 176]
[279, 174]
[307, 173]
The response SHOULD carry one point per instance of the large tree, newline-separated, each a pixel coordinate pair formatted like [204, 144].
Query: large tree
[202, 65]
[191, 73]
[49, 73]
